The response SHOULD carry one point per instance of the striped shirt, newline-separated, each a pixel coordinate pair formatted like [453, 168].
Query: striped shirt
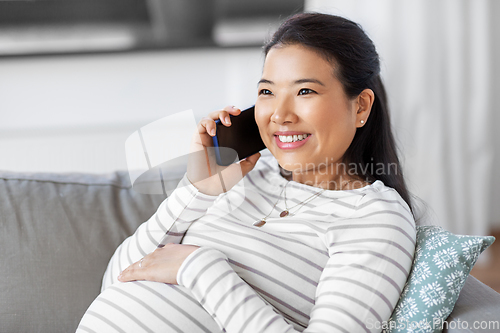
[337, 263]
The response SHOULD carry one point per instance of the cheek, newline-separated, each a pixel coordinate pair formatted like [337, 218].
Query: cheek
[334, 130]
[262, 117]
[262, 124]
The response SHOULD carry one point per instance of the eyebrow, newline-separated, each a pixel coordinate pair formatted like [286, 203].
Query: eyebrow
[307, 80]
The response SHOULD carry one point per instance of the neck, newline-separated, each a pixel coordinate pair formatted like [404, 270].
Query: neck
[327, 180]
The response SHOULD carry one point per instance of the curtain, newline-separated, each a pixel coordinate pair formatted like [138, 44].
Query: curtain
[436, 65]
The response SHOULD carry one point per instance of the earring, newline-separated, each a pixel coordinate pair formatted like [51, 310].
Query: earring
[362, 122]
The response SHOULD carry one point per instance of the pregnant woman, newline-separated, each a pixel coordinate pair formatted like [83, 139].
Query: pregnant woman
[317, 237]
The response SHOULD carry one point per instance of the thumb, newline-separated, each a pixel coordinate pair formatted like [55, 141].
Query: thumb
[249, 163]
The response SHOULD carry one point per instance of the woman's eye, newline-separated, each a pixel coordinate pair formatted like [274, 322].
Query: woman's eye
[305, 91]
[265, 92]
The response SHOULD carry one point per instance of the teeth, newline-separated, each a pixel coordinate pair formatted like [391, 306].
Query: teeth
[292, 138]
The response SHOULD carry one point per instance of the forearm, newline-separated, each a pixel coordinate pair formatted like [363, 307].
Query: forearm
[231, 301]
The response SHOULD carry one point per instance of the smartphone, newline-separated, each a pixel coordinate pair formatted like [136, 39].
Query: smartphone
[238, 141]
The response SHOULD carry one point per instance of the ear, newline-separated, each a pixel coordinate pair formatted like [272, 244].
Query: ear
[364, 106]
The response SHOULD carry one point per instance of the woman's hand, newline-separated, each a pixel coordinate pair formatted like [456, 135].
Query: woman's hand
[161, 265]
[203, 171]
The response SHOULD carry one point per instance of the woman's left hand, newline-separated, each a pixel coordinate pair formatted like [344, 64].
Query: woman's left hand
[161, 265]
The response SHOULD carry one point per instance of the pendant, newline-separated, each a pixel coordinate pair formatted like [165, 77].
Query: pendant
[259, 223]
[284, 213]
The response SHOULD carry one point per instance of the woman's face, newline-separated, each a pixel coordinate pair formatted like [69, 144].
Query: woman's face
[300, 100]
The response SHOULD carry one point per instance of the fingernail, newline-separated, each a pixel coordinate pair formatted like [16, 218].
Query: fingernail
[227, 120]
[212, 132]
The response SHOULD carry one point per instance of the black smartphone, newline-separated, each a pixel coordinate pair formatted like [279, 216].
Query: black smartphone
[241, 139]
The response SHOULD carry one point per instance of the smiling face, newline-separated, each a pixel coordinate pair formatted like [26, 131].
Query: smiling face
[300, 100]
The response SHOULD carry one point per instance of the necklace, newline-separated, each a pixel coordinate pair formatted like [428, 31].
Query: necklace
[262, 221]
[287, 210]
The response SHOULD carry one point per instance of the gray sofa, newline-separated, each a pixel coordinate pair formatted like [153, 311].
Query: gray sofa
[58, 231]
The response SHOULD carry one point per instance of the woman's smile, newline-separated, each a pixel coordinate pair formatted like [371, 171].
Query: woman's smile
[291, 139]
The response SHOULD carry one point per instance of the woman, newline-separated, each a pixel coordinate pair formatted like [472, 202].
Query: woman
[323, 237]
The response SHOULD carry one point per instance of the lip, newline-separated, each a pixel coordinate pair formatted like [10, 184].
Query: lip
[290, 145]
[290, 133]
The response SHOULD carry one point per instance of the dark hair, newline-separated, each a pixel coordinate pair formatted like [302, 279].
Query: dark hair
[345, 44]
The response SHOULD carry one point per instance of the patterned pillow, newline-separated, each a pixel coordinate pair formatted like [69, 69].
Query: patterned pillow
[441, 265]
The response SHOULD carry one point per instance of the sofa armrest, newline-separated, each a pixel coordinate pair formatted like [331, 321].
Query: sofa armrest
[477, 305]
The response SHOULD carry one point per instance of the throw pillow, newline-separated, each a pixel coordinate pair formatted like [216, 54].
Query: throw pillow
[440, 267]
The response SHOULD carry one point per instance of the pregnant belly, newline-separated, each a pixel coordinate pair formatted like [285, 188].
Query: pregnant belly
[144, 306]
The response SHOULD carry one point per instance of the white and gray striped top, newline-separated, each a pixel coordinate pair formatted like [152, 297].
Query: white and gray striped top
[338, 264]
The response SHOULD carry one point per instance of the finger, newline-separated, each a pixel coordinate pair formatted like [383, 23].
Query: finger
[207, 125]
[232, 110]
[229, 109]
[224, 118]
[134, 272]
[248, 163]
[233, 173]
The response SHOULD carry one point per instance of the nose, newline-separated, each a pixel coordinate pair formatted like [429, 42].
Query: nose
[283, 113]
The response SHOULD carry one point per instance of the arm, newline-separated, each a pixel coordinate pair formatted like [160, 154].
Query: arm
[188, 202]
[233, 304]
[370, 259]
[174, 215]
[364, 277]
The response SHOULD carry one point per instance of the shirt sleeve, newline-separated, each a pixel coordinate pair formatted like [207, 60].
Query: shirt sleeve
[370, 259]
[168, 225]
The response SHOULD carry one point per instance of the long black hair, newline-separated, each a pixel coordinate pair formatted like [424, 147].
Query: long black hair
[357, 66]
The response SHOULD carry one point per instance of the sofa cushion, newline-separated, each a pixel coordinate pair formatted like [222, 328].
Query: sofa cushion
[440, 268]
[58, 232]
[477, 309]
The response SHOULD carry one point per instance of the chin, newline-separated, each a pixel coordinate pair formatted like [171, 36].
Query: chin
[294, 161]
[291, 164]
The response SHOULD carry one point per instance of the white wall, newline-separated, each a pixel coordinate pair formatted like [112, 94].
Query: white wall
[495, 88]
[74, 113]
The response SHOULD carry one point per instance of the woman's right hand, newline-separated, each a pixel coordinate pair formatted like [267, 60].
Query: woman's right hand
[203, 171]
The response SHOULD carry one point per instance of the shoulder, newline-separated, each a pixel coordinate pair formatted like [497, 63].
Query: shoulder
[381, 213]
[379, 199]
